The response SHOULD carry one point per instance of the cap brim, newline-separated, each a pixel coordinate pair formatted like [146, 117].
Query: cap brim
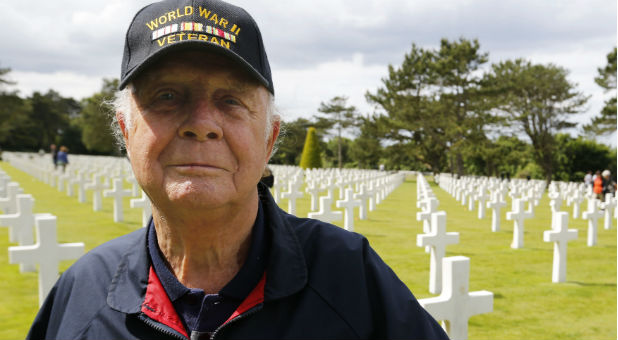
[194, 45]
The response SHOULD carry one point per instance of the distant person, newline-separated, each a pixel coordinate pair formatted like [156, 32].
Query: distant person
[63, 157]
[588, 179]
[609, 186]
[597, 182]
[54, 153]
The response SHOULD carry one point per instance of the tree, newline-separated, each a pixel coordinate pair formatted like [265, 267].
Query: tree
[311, 157]
[50, 116]
[505, 155]
[366, 149]
[605, 122]
[15, 124]
[461, 96]
[337, 150]
[3, 79]
[576, 156]
[434, 103]
[338, 116]
[537, 100]
[407, 104]
[95, 120]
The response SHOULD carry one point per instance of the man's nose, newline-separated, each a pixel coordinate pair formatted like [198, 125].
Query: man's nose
[202, 123]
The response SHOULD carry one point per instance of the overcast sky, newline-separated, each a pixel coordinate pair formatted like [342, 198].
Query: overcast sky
[317, 49]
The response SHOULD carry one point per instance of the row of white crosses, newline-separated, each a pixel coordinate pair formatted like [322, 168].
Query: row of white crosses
[574, 194]
[88, 173]
[558, 192]
[524, 191]
[361, 189]
[448, 276]
[46, 252]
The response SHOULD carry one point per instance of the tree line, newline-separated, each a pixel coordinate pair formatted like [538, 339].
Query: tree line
[35, 122]
[442, 109]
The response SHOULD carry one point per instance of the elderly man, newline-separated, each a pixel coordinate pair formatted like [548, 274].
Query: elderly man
[218, 259]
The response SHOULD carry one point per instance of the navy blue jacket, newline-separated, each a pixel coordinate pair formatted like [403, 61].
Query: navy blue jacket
[321, 282]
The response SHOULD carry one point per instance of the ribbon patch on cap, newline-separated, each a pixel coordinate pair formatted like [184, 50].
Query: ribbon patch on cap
[175, 32]
[192, 27]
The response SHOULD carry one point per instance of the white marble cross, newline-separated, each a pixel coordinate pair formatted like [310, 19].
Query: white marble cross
[8, 204]
[97, 187]
[471, 199]
[4, 180]
[292, 194]
[21, 221]
[371, 190]
[46, 252]
[555, 201]
[430, 207]
[577, 200]
[456, 304]
[496, 204]
[71, 180]
[436, 240]
[364, 196]
[144, 203]
[560, 235]
[313, 190]
[277, 186]
[81, 183]
[608, 207]
[592, 215]
[117, 192]
[464, 195]
[325, 214]
[482, 198]
[63, 178]
[21, 225]
[348, 204]
[330, 187]
[518, 215]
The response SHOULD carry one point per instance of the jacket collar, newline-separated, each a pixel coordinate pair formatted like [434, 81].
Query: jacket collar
[286, 272]
[128, 287]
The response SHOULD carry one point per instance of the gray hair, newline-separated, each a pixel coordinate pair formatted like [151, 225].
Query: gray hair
[122, 104]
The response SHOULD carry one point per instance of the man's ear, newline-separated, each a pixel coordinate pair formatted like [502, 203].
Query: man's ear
[123, 127]
[274, 134]
[120, 118]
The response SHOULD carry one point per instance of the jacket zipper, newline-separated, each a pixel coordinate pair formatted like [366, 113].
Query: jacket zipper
[240, 317]
[156, 326]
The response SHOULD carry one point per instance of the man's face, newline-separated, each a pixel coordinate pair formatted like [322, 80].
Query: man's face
[198, 136]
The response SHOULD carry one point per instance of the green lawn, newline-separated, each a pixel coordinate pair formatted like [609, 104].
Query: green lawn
[527, 305]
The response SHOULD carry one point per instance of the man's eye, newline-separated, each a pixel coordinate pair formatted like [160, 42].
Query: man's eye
[231, 101]
[167, 96]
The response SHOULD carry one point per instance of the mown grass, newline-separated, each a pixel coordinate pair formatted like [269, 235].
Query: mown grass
[527, 305]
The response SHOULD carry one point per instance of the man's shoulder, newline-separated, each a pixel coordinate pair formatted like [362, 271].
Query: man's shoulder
[325, 235]
[104, 259]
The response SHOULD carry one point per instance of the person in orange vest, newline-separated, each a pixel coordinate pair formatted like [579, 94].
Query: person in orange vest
[598, 184]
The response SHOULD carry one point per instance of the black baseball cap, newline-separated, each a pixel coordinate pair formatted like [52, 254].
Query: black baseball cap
[211, 25]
